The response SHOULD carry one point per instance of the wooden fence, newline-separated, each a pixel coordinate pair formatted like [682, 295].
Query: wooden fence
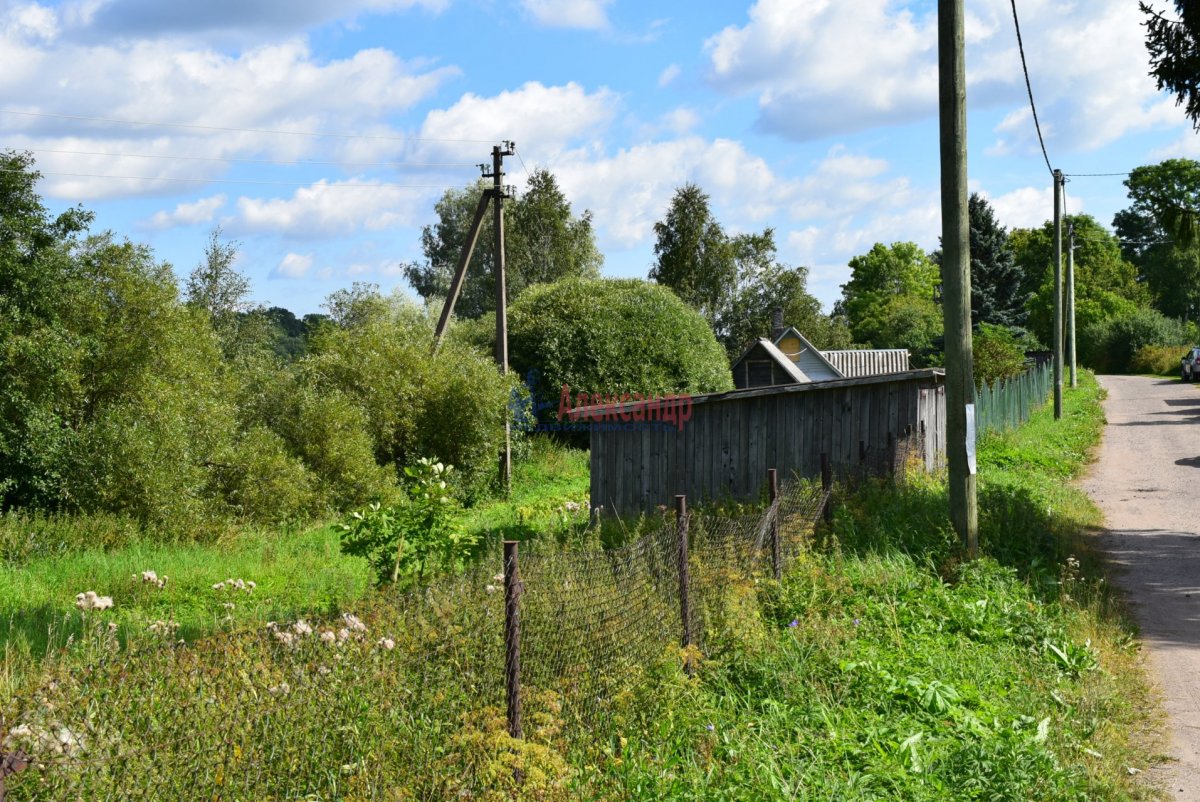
[719, 446]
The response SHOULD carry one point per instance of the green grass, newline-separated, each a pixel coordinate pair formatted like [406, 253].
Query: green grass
[297, 571]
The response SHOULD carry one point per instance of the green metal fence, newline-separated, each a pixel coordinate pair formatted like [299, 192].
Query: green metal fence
[1006, 405]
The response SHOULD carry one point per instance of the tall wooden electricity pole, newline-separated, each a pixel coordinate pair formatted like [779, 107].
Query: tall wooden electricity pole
[498, 193]
[956, 275]
[1058, 296]
[1071, 304]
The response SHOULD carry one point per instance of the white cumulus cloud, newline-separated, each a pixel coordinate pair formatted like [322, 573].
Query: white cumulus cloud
[332, 208]
[586, 14]
[293, 266]
[187, 214]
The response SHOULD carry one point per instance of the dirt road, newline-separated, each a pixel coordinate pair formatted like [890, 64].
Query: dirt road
[1147, 482]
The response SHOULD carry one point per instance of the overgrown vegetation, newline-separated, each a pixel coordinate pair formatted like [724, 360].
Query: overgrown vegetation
[882, 667]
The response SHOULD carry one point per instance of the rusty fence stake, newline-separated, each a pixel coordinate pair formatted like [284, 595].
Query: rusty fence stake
[685, 599]
[773, 493]
[10, 764]
[512, 636]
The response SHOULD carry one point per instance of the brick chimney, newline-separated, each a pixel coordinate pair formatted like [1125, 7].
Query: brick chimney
[777, 326]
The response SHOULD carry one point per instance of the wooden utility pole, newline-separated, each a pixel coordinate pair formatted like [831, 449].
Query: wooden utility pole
[498, 193]
[956, 274]
[1058, 296]
[1071, 303]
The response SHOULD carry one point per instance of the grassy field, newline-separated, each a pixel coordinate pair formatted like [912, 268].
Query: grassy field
[883, 666]
[297, 572]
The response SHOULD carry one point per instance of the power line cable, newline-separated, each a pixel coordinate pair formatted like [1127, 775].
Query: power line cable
[1095, 175]
[329, 134]
[1029, 88]
[234, 160]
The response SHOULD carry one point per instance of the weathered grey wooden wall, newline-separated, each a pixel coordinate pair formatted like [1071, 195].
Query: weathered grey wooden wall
[725, 448]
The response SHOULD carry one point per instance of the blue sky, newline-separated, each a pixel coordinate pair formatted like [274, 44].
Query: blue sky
[814, 117]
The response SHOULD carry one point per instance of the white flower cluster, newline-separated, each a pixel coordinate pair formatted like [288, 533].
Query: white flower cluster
[282, 689]
[152, 578]
[386, 643]
[574, 506]
[55, 740]
[236, 584]
[499, 580]
[91, 601]
[166, 628]
[291, 635]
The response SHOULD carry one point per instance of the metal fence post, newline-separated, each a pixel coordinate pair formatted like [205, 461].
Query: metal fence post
[773, 493]
[685, 601]
[512, 636]
[827, 484]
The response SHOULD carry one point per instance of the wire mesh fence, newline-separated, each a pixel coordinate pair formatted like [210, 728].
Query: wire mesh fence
[1006, 405]
[415, 689]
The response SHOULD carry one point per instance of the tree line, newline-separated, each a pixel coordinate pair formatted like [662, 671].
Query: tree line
[183, 405]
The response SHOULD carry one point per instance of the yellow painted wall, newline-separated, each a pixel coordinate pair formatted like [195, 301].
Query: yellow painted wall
[790, 346]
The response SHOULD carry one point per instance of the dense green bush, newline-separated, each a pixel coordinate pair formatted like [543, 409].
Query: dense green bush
[416, 404]
[613, 336]
[260, 481]
[997, 353]
[1109, 346]
[1161, 360]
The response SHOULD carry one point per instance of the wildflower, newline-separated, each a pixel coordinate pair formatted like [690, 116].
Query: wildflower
[328, 636]
[219, 586]
[343, 635]
[490, 588]
[112, 626]
[286, 638]
[167, 627]
[228, 605]
[301, 627]
[857, 622]
[153, 578]
[709, 727]
[498, 578]
[91, 601]
[387, 643]
[282, 689]
[795, 623]
[353, 623]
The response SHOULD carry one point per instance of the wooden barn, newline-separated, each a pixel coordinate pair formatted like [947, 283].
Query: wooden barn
[720, 445]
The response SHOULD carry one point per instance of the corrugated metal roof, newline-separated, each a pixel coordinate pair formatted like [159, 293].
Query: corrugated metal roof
[871, 362]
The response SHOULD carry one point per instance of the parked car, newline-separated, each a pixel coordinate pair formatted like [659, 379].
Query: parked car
[1189, 365]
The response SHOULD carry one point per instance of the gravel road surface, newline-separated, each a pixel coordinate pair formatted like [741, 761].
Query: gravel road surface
[1147, 482]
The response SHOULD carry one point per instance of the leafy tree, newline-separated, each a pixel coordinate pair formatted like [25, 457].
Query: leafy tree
[997, 287]
[544, 241]
[764, 285]
[1174, 46]
[695, 257]
[1105, 284]
[613, 336]
[888, 302]
[1155, 233]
